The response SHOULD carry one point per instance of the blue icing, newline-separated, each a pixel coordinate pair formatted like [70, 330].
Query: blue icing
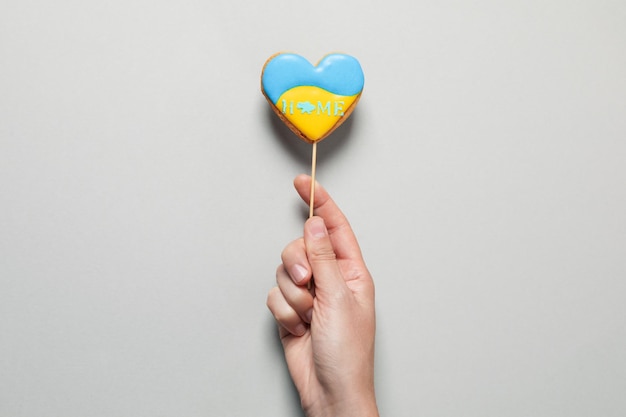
[337, 73]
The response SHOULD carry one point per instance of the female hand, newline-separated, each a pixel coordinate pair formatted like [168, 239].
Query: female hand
[328, 332]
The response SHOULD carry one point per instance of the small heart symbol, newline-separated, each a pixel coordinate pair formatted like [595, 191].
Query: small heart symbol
[312, 100]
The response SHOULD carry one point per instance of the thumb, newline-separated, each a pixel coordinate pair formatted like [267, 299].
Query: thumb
[322, 257]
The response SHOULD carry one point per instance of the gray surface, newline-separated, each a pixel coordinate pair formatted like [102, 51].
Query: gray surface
[145, 196]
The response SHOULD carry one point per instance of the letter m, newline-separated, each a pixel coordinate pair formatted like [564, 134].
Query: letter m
[322, 109]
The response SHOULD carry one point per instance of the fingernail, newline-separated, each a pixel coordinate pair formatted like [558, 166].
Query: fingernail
[298, 273]
[309, 315]
[317, 227]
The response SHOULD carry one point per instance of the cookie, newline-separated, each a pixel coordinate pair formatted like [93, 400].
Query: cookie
[312, 100]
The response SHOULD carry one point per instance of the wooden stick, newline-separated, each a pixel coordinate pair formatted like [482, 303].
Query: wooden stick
[312, 196]
[313, 165]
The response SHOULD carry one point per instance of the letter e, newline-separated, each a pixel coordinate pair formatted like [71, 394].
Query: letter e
[339, 108]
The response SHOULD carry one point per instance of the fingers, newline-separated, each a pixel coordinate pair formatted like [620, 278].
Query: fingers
[327, 251]
[285, 315]
[290, 302]
[296, 263]
[322, 257]
[339, 240]
[339, 230]
[299, 298]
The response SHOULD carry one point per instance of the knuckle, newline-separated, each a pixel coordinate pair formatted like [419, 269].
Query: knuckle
[322, 254]
[283, 316]
[271, 295]
[300, 300]
[292, 249]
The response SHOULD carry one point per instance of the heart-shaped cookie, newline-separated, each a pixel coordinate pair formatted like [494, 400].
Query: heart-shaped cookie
[312, 100]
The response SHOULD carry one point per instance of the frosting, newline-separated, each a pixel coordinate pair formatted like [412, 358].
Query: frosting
[313, 110]
[312, 100]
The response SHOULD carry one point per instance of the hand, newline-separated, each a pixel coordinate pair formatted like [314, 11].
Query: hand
[328, 332]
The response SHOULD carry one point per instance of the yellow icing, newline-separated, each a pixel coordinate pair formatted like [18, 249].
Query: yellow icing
[313, 110]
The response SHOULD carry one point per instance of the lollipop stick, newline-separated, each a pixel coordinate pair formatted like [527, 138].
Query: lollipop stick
[313, 164]
[312, 197]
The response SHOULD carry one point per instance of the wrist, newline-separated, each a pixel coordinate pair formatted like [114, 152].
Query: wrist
[356, 410]
[361, 405]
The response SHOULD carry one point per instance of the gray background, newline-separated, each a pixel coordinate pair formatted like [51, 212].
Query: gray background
[145, 196]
